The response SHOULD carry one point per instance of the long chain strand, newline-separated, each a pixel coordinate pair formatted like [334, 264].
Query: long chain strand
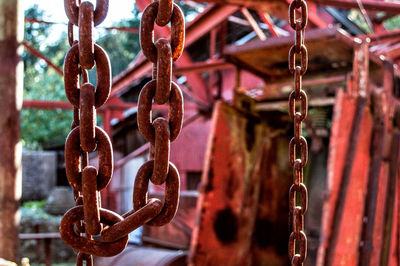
[298, 144]
[87, 218]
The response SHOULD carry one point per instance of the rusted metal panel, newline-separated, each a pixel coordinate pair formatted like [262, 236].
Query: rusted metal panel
[227, 203]
[344, 250]
[269, 242]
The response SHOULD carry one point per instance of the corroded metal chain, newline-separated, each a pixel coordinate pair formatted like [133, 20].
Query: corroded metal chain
[162, 90]
[298, 144]
[87, 218]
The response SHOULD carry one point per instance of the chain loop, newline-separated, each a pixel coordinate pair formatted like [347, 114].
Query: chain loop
[70, 33]
[171, 198]
[71, 75]
[298, 144]
[304, 59]
[144, 111]
[302, 190]
[302, 238]
[90, 201]
[164, 71]
[84, 257]
[303, 104]
[87, 118]
[72, 11]
[86, 44]
[87, 218]
[303, 150]
[87, 245]
[147, 27]
[161, 151]
[73, 157]
[132, 221]
[164, 13]
[292, 13]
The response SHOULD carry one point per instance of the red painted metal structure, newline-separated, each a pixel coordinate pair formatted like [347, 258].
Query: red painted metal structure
[343, 226]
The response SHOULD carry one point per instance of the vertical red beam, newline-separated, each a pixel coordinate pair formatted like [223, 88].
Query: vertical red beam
[11, 73]
[340, 236]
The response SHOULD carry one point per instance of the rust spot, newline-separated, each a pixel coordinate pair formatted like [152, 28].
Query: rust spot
[250, 126]
[226, 226]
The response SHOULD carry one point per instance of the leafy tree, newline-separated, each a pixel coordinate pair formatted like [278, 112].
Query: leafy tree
[44, 128]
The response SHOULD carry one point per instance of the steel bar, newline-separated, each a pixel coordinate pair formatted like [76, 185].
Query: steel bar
[253, 23]
[268, 21]
[282, 105]
[11, 82]
[393, 34]
[345, 179]
[37, 54]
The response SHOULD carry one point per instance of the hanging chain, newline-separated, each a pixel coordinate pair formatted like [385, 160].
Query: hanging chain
[298, 144]
[87, 218]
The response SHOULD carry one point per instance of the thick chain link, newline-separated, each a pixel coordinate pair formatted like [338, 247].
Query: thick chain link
[298, 144]
[87, 218]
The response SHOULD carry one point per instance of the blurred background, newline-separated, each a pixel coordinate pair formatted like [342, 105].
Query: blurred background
[232, 154]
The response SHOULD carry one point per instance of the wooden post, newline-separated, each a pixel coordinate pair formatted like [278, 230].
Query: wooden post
[11, 73]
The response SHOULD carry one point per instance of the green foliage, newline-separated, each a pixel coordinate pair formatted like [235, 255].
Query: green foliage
[33, 210]
[393, 23]
[34, 204]
[43, 128]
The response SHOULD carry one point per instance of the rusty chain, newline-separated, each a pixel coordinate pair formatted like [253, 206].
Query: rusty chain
[298, 144]
[87, 218]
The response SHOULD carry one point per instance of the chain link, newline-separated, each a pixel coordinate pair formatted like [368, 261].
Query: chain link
[298, 195]
[87, 218]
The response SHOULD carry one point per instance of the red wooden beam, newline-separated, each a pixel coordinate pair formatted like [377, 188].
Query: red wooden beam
[40, 104]
[37, 54]
[123, 29]
[209, 65]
